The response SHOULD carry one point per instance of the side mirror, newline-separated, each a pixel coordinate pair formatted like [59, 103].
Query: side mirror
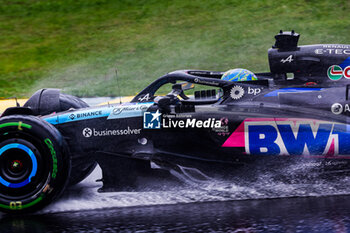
[186, 86]
[179, 88]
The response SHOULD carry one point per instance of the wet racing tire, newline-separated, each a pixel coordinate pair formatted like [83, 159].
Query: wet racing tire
[34, 163]
[82, 166]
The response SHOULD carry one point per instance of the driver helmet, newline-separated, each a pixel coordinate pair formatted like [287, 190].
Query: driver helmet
[236, 75]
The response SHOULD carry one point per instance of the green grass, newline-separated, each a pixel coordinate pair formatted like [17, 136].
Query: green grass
[75, 45]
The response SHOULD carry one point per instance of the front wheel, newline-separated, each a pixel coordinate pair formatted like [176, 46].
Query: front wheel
[34, 164]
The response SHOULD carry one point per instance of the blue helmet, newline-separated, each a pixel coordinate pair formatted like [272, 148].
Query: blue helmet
[238, 74]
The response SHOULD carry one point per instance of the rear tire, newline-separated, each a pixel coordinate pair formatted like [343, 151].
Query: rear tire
[81, 168]
[47, 101]
[34, 164]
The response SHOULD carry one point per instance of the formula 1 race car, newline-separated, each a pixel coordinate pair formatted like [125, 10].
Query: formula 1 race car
[299, 111]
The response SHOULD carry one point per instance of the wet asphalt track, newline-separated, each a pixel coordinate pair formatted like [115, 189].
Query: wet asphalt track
[170, 206]
[322, 214]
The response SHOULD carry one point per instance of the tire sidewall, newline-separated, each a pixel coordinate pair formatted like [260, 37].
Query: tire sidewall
[51, 146]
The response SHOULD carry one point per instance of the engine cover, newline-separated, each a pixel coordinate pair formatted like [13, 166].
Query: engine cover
[319, 63]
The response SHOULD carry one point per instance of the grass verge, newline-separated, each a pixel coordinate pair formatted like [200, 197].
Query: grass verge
[76, 45]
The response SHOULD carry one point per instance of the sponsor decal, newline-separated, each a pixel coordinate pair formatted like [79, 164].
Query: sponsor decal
[200, 81]
[291, 136]
[346, 72]
[223, 130]
[127, 111]
[337, 108]
[151, 120]
[78, 116]
[155, 120]
[289, 59]
[336, 46]
[335, 51]
[237, 92]
[144, 98]
[85, 114]
[335, 72]
[324, 163]
[88, 132]
[254, 91]
[121, 111]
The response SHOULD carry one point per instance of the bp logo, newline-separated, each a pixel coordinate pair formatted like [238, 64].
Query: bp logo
[237, 92]
[335, 72]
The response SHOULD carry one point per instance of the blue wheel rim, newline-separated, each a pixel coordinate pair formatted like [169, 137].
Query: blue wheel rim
[34, 163]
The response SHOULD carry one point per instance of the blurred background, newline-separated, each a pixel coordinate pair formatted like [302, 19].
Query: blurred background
[76, 45]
